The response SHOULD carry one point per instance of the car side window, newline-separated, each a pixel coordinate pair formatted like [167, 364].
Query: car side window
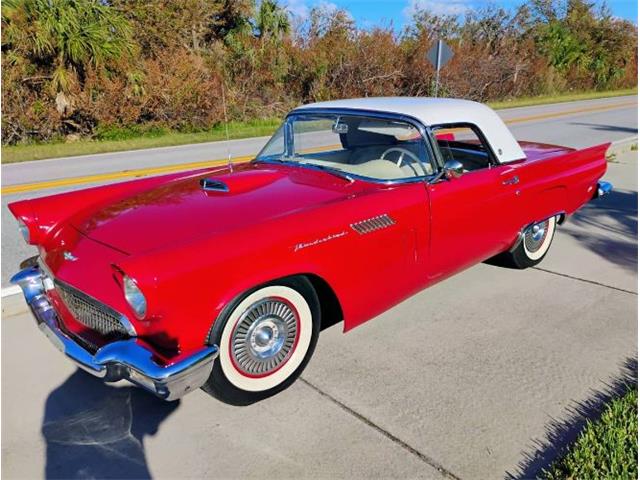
[464, 143]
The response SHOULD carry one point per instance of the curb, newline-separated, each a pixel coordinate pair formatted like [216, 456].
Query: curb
[623, 145]
[13, 305]
[12, 290]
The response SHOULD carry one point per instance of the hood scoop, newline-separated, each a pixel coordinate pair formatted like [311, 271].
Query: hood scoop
[213, 185]
[235, 183]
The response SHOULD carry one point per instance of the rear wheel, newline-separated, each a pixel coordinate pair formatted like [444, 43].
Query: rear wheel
[266, 338]
[533, 247]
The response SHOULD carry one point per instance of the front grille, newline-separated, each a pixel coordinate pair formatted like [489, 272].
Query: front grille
[92, 313]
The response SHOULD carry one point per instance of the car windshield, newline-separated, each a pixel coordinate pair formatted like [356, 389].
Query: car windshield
[370, 147]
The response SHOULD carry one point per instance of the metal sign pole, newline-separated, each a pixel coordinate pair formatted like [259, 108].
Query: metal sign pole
[438, 62]
[439, 55]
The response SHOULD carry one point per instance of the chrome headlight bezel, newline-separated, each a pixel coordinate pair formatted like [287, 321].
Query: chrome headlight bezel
[24, 231]
[134, 297]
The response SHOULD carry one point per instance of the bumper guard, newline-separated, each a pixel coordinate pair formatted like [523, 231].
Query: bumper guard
[120, 360]
[603, 188]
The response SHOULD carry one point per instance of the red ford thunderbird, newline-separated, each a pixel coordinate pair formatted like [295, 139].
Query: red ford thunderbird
[222, 278]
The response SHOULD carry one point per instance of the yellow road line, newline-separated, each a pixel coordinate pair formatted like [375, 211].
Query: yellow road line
[66, 182]
[544, 116]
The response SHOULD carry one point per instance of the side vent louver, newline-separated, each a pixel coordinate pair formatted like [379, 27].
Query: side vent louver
[213, 185]
[372, 224]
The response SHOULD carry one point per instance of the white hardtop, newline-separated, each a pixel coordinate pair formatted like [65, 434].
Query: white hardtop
[439, 111]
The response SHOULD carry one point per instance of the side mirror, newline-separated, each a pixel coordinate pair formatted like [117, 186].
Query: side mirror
[452, 169]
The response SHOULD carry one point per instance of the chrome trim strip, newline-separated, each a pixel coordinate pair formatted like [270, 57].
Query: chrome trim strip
[122, 360]
[372, 224]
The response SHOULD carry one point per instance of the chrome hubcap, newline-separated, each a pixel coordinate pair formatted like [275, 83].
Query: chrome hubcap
[535, 235]
[264, 336]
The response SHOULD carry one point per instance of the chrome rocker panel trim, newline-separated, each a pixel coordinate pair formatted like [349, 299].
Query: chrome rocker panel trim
[120, 360]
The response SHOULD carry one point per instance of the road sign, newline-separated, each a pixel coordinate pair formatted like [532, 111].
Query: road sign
[439, 55]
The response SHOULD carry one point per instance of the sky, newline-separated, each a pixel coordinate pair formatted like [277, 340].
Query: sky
[368, 13]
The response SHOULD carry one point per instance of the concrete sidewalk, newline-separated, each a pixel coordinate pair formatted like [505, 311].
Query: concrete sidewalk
[465, 380]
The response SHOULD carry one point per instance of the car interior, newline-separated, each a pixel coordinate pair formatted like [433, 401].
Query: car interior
[381, 149]
[378, 148]
[462, 143]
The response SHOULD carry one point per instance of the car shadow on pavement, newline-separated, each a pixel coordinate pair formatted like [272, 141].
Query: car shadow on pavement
[93, 430]
[607, 128]
[561, 433]
[609, 227]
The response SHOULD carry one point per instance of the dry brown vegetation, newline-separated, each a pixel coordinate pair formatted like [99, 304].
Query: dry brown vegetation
[134, 67]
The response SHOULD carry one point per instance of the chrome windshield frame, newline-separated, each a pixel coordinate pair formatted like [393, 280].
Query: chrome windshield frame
[422, 129]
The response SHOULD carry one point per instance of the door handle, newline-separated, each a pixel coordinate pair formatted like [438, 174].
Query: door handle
[511, 181]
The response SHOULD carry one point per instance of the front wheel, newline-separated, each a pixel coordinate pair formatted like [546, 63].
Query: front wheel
[266, 338]
[533, 247]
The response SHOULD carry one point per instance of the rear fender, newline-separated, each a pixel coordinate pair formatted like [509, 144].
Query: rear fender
[549, 202]
[561, 183]
[584, 169]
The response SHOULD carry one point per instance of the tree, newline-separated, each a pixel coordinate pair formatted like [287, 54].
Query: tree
[272, 20]
[231, 17]
[69, 36]
[166, 24]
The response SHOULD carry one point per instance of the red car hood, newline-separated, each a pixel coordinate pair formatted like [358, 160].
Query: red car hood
[181, 210]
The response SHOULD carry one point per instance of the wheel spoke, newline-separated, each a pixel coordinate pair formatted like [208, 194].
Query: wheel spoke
[264, 337]
[535, 236]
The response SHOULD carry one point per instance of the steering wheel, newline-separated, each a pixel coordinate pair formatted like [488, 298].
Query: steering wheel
[401, 160]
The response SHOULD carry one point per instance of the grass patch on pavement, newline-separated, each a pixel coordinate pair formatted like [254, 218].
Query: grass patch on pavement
[116, 140]
[606, 448]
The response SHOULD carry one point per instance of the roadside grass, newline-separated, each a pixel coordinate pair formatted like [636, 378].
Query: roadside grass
[117, 140]
[607, 448]
[561, 97]
[152, 139]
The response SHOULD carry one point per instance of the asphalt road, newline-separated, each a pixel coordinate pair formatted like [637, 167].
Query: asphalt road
[485, 375]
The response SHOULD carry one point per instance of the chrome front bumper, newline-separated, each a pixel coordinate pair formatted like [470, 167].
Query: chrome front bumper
[120, 360]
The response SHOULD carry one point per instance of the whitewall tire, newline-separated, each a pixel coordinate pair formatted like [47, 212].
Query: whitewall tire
[265, 337]
[537, 239]
[532, 247]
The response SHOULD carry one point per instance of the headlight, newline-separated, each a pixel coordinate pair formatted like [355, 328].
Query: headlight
[24, 230]
[134, 297]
